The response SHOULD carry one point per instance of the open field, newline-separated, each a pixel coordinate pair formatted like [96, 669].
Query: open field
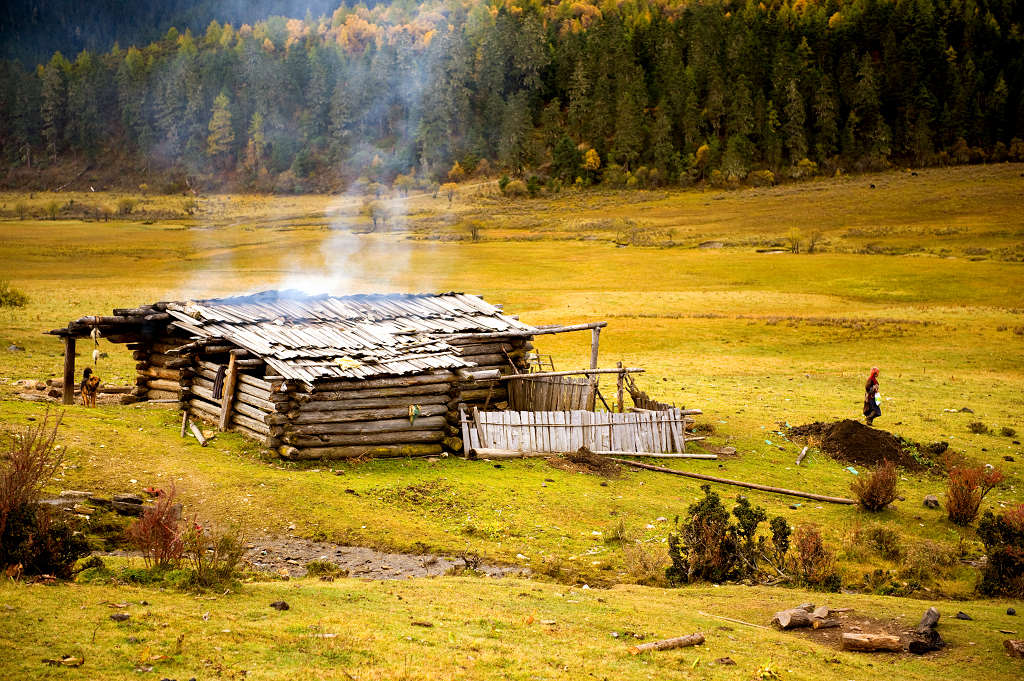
[754, 339]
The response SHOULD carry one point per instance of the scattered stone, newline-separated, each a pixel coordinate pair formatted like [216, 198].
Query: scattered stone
[1011, 611]
[120, 617]
[128, 498]
[1014, 647]
[1007, 458]
[963, 616]
[725, 661]
[931, 501]
[280, 605]
[15, 348]
[966, 410]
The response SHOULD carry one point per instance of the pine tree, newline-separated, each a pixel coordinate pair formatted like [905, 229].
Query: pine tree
[54, 78]
[222, 136]
[793, 128]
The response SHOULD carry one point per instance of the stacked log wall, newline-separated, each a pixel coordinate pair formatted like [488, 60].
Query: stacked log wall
[259, 404]
[159, 375]
[371, 418]
[506, 354]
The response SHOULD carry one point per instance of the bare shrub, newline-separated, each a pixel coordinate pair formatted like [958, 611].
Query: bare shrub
[213, 555]
[29, 463]
[978, 428]
[925, 560]
[1006, 431]
[877, 489]
[966, 489]
[158, 533]
[32, 541]
[646, 563]
[815, 562]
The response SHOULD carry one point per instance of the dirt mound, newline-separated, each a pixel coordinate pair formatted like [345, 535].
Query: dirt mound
[585, 461]
[856, 443]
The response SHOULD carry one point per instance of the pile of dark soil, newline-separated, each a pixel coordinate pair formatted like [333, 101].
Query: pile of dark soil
[585, 461]
[856, 443]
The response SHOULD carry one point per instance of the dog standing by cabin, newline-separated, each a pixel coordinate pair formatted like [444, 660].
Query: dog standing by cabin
[90, 386]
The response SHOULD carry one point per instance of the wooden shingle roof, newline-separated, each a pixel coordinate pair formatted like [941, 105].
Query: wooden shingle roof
[310, 338]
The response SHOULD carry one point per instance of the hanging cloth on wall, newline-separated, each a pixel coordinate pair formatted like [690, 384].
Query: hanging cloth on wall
[218, 382]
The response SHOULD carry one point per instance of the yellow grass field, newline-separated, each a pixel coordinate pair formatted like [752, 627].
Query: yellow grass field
[921, 275]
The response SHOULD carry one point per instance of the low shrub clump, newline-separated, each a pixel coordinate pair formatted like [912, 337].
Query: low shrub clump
[325, 569]
[183, 554]
[11, 297]
[815, 562]
[708, 546]
[1003, 537]
[877, 489]
[978, 428]
[966, 489]
[33, 540]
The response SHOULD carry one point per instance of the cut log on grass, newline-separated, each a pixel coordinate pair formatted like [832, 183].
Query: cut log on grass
[926, 638]
[738, 483]
[801, 456]
[870, 643]
[1014, 647]
[793, 618]
[826, 624]
[198, 433]
[669, 643]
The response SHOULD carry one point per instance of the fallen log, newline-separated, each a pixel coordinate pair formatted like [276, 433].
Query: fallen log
[669, 643]
[738, 483]
[494, 453]
[826, 623]
[801, 456]
[870, 643]
[359, 452]
[198, 433]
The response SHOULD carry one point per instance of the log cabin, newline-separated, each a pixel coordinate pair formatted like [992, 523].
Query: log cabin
[319, 376]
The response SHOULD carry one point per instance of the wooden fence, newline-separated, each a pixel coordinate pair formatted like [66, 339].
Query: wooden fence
[551, 393]
[498, 434]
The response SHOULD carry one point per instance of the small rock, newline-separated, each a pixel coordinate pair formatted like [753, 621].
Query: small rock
[963, 616]
[1007, 458]
[498, 465]
[120, 617]
[931, 501]
[549, 480]
[1014, 647]
[725, 661]
[280, 605]
[966, 410]
[15, 348]
[1011, 611]
[604, 483]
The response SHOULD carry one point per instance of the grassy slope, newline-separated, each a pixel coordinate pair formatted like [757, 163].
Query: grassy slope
[752, 339]
[481, 629]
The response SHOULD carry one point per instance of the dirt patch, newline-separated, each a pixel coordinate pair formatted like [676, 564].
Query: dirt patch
[292, 554]
[585, 461]
[853, 623]
[853, 442]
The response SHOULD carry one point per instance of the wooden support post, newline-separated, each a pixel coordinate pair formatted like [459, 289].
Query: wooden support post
[227, 399]
[595, 336]
[184, 420]
[69, 369]
[620, 385]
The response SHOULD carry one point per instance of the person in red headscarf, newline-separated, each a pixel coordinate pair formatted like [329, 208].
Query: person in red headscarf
[872, 400]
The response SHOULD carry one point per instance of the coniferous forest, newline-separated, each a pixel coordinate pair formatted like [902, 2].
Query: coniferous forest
[630, 93]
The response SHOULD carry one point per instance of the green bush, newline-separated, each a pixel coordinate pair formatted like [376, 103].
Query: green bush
[11, 297]
[1003, 537]
[325, 569]
[40, 542]
[708, 546]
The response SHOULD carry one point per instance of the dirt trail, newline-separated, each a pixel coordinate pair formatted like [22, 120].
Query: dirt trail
[273, 554]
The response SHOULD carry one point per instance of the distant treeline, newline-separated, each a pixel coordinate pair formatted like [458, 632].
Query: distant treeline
[628, 92]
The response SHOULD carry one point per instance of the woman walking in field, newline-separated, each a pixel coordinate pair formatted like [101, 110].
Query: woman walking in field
[872, 410]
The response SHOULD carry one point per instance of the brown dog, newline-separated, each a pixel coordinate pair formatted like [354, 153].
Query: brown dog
[90, 386]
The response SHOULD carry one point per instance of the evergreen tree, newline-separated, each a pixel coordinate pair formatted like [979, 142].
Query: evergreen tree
[222, 136]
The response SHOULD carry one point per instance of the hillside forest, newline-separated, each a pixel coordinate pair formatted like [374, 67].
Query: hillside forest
[629, 93]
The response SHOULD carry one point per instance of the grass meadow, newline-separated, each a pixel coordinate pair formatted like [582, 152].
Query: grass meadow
[920, 275]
